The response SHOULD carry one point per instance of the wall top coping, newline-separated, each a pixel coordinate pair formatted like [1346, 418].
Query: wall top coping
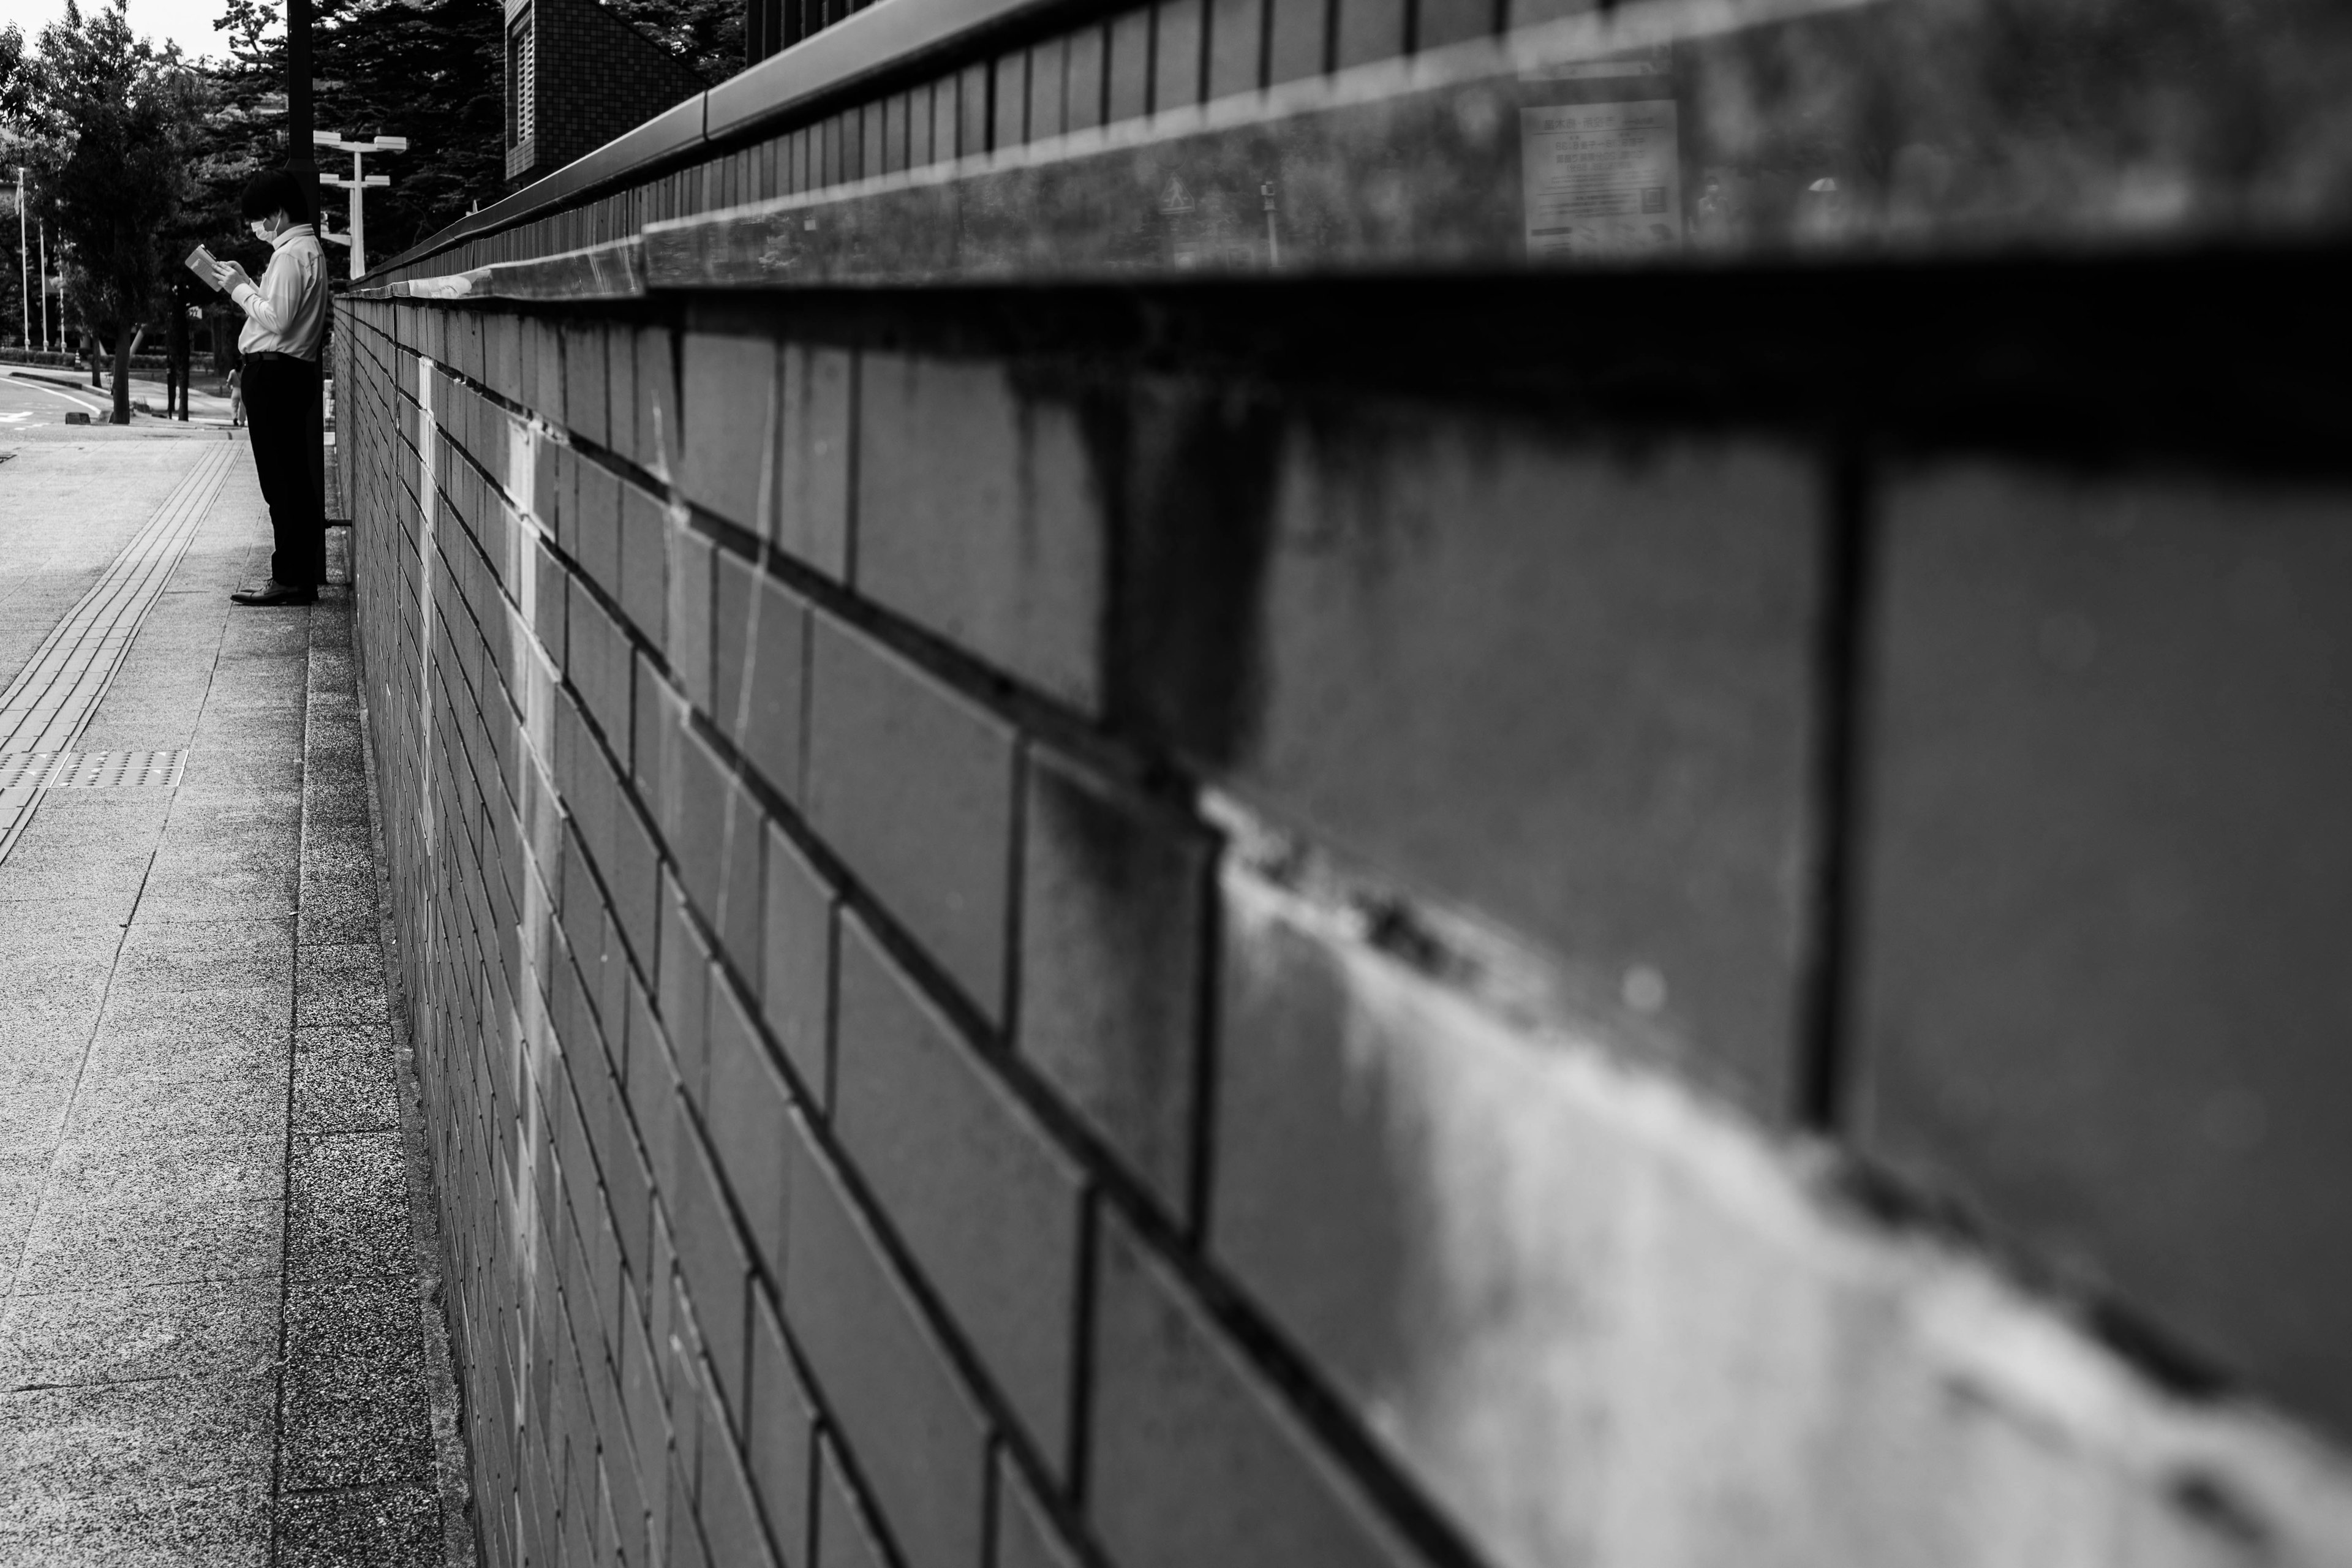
[1760, 131]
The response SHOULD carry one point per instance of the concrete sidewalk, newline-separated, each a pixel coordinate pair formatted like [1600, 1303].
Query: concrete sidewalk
[221, 1340]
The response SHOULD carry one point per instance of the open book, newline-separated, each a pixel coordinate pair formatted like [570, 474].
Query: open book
[202, 262]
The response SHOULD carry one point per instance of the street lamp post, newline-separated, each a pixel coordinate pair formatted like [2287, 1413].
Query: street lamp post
[358, 183]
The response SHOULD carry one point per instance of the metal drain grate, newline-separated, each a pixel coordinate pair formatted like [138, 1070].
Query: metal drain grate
[91, 769]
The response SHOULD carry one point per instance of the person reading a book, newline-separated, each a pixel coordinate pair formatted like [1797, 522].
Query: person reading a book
[285, 326]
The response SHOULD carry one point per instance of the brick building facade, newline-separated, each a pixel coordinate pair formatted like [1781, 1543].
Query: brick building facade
[576, 76]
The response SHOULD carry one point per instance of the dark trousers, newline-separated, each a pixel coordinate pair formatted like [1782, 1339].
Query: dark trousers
[281, 403]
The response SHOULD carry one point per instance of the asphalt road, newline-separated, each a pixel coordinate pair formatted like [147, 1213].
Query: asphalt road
[37, 403]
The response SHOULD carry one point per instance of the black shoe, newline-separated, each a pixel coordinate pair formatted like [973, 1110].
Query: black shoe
[275, 593]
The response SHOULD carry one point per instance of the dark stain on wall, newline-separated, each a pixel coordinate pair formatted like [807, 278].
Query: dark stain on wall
[1191, 532]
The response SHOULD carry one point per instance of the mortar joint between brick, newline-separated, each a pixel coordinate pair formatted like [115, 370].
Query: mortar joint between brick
[1324, 1413]
[1082, 1356]
[943, 1326]
[1030, 711]
[1840, 679]
[1206, 1037]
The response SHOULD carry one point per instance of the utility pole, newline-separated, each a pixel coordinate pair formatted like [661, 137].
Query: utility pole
[46, 345]
[299, 158]
[25, 259]
[358, 183]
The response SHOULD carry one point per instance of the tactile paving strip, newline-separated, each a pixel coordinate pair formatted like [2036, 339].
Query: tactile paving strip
[91, 769]
[60, 687]
[51, 701]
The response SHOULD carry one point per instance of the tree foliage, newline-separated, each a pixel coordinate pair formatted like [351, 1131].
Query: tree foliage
[707, 35]
[425, 70]
[139, 154]
[106, 122]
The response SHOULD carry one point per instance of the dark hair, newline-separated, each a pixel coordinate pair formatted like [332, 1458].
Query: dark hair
[277, 190]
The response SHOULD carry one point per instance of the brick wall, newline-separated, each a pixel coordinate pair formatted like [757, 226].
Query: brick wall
[1032, 955]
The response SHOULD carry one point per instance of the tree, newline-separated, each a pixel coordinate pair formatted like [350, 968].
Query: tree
[425, 70]
[108, 121]
[431, 70]
[707, 35]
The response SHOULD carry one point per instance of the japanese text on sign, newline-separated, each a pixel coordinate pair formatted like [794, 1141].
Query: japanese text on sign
[1601, 178]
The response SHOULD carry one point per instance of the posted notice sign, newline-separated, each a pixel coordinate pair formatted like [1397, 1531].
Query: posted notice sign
[1601, 178]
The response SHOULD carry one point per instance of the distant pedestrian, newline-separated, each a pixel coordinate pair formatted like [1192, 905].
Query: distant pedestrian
[237, 395]
[285, 325]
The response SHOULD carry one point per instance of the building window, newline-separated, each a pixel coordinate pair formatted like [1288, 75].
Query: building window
[521, 80]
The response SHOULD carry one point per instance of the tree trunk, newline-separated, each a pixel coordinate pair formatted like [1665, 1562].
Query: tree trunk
[175, 353]
[121, 415]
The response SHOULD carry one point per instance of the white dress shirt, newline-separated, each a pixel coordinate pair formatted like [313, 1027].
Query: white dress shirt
[286, 312]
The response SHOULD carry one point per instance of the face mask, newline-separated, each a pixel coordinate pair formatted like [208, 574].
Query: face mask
[261, 228]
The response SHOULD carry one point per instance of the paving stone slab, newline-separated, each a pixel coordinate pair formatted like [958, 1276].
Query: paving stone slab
[33, 1112]
[349, 1208]
[86, 1172]
[197, 814]
[252, 705]
[100, 854]
[107, 824]
[276, 631]
[386, 1527]
[25, 925]
[218, 770]
[339, 985]
[167, 723]
[188, 895]
[110, 891]
[333, 826]
[254, 931]
[355, 1412]
[226, 1527]
[338, 893]
[258, 859]
[336, 829]
[115, 1245]
[177, 993]
[346, 1080]
[164, 1047]
[166, 1436]
[261, 856]
[131, 1110]
[23, 1171]
[35, 1018]
[199, 1329]
[171, 959]
[30, 1055]
[336, 913]
[57, 970]
[71, 810]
